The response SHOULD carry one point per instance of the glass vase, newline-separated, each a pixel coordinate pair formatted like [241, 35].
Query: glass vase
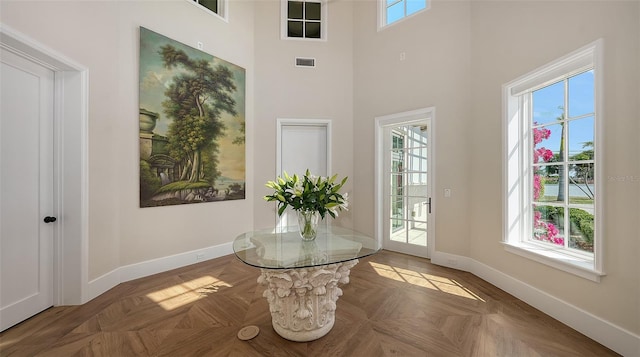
[308, 224]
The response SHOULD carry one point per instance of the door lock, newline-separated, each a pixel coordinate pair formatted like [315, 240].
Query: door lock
[49, 219]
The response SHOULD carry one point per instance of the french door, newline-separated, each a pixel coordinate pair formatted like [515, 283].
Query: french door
[405, 205]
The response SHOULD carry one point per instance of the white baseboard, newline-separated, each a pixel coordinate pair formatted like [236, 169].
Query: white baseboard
[109, 280]
[614, 337]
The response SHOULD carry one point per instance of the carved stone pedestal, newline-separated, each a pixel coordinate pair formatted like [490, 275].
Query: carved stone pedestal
[302, 301]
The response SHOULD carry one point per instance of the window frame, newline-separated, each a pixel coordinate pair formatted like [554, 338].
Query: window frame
[223, 9]
[284, 18]
[382, 13]
[517, 164]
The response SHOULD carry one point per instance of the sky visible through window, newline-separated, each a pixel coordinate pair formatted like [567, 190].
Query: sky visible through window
[398, 9]
[548, 104]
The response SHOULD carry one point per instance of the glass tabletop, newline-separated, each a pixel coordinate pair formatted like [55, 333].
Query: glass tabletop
[286, 249]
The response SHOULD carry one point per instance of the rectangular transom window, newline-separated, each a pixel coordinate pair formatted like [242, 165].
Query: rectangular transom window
[303, 19]
[392, 11]
[217, 7]
[551, 164]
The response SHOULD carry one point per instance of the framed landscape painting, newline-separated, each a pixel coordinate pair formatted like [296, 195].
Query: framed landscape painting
[192, 124]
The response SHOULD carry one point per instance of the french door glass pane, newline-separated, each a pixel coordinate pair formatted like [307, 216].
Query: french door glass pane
[408, 211]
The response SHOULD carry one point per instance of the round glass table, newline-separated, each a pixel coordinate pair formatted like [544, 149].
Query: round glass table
[302, 277]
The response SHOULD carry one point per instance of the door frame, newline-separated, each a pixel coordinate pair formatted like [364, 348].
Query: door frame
[281, 123]
[70, 171]
[381, 123]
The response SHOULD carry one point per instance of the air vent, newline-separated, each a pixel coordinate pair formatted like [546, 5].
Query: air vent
[305, 62]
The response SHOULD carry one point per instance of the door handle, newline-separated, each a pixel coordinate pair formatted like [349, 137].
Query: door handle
[429, 204]
[49, 219]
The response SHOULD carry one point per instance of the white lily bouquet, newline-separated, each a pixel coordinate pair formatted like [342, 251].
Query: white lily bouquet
[306, 195]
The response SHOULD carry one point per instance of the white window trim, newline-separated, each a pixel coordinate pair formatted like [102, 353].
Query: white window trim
[323, 21]
[516, 151]
[223, 9]
[382, 14]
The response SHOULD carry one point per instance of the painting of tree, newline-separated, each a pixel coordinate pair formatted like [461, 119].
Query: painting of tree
[192, 108]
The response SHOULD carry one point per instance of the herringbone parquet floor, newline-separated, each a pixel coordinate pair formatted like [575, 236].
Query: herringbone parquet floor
[394, 305]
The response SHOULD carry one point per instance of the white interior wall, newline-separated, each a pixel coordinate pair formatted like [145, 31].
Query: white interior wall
[435, 72]
[103, 36]
[506, 45]
[286, 91]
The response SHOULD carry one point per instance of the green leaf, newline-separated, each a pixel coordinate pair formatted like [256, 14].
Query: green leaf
[281, 210]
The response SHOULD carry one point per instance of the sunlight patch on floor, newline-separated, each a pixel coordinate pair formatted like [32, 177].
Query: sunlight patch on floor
[424, 280]
[187, 292]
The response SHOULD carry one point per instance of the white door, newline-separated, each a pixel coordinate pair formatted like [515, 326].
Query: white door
[406, 209]
[26, 189]
[302, 145]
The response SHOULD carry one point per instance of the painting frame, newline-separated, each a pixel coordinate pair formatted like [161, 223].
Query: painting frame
[192, 108]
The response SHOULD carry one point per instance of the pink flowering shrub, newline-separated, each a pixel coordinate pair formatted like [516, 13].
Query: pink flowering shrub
[537, 186]
[542, 153]
[543, 231]
[540, 134]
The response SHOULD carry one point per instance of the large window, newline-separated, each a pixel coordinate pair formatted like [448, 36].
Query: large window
[303, 19]
[551, 156]
[391, 11]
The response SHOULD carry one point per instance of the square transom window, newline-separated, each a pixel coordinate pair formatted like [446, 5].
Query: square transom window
[304, 20]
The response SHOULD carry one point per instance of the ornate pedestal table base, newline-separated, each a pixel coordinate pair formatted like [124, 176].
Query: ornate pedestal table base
[302, 301]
